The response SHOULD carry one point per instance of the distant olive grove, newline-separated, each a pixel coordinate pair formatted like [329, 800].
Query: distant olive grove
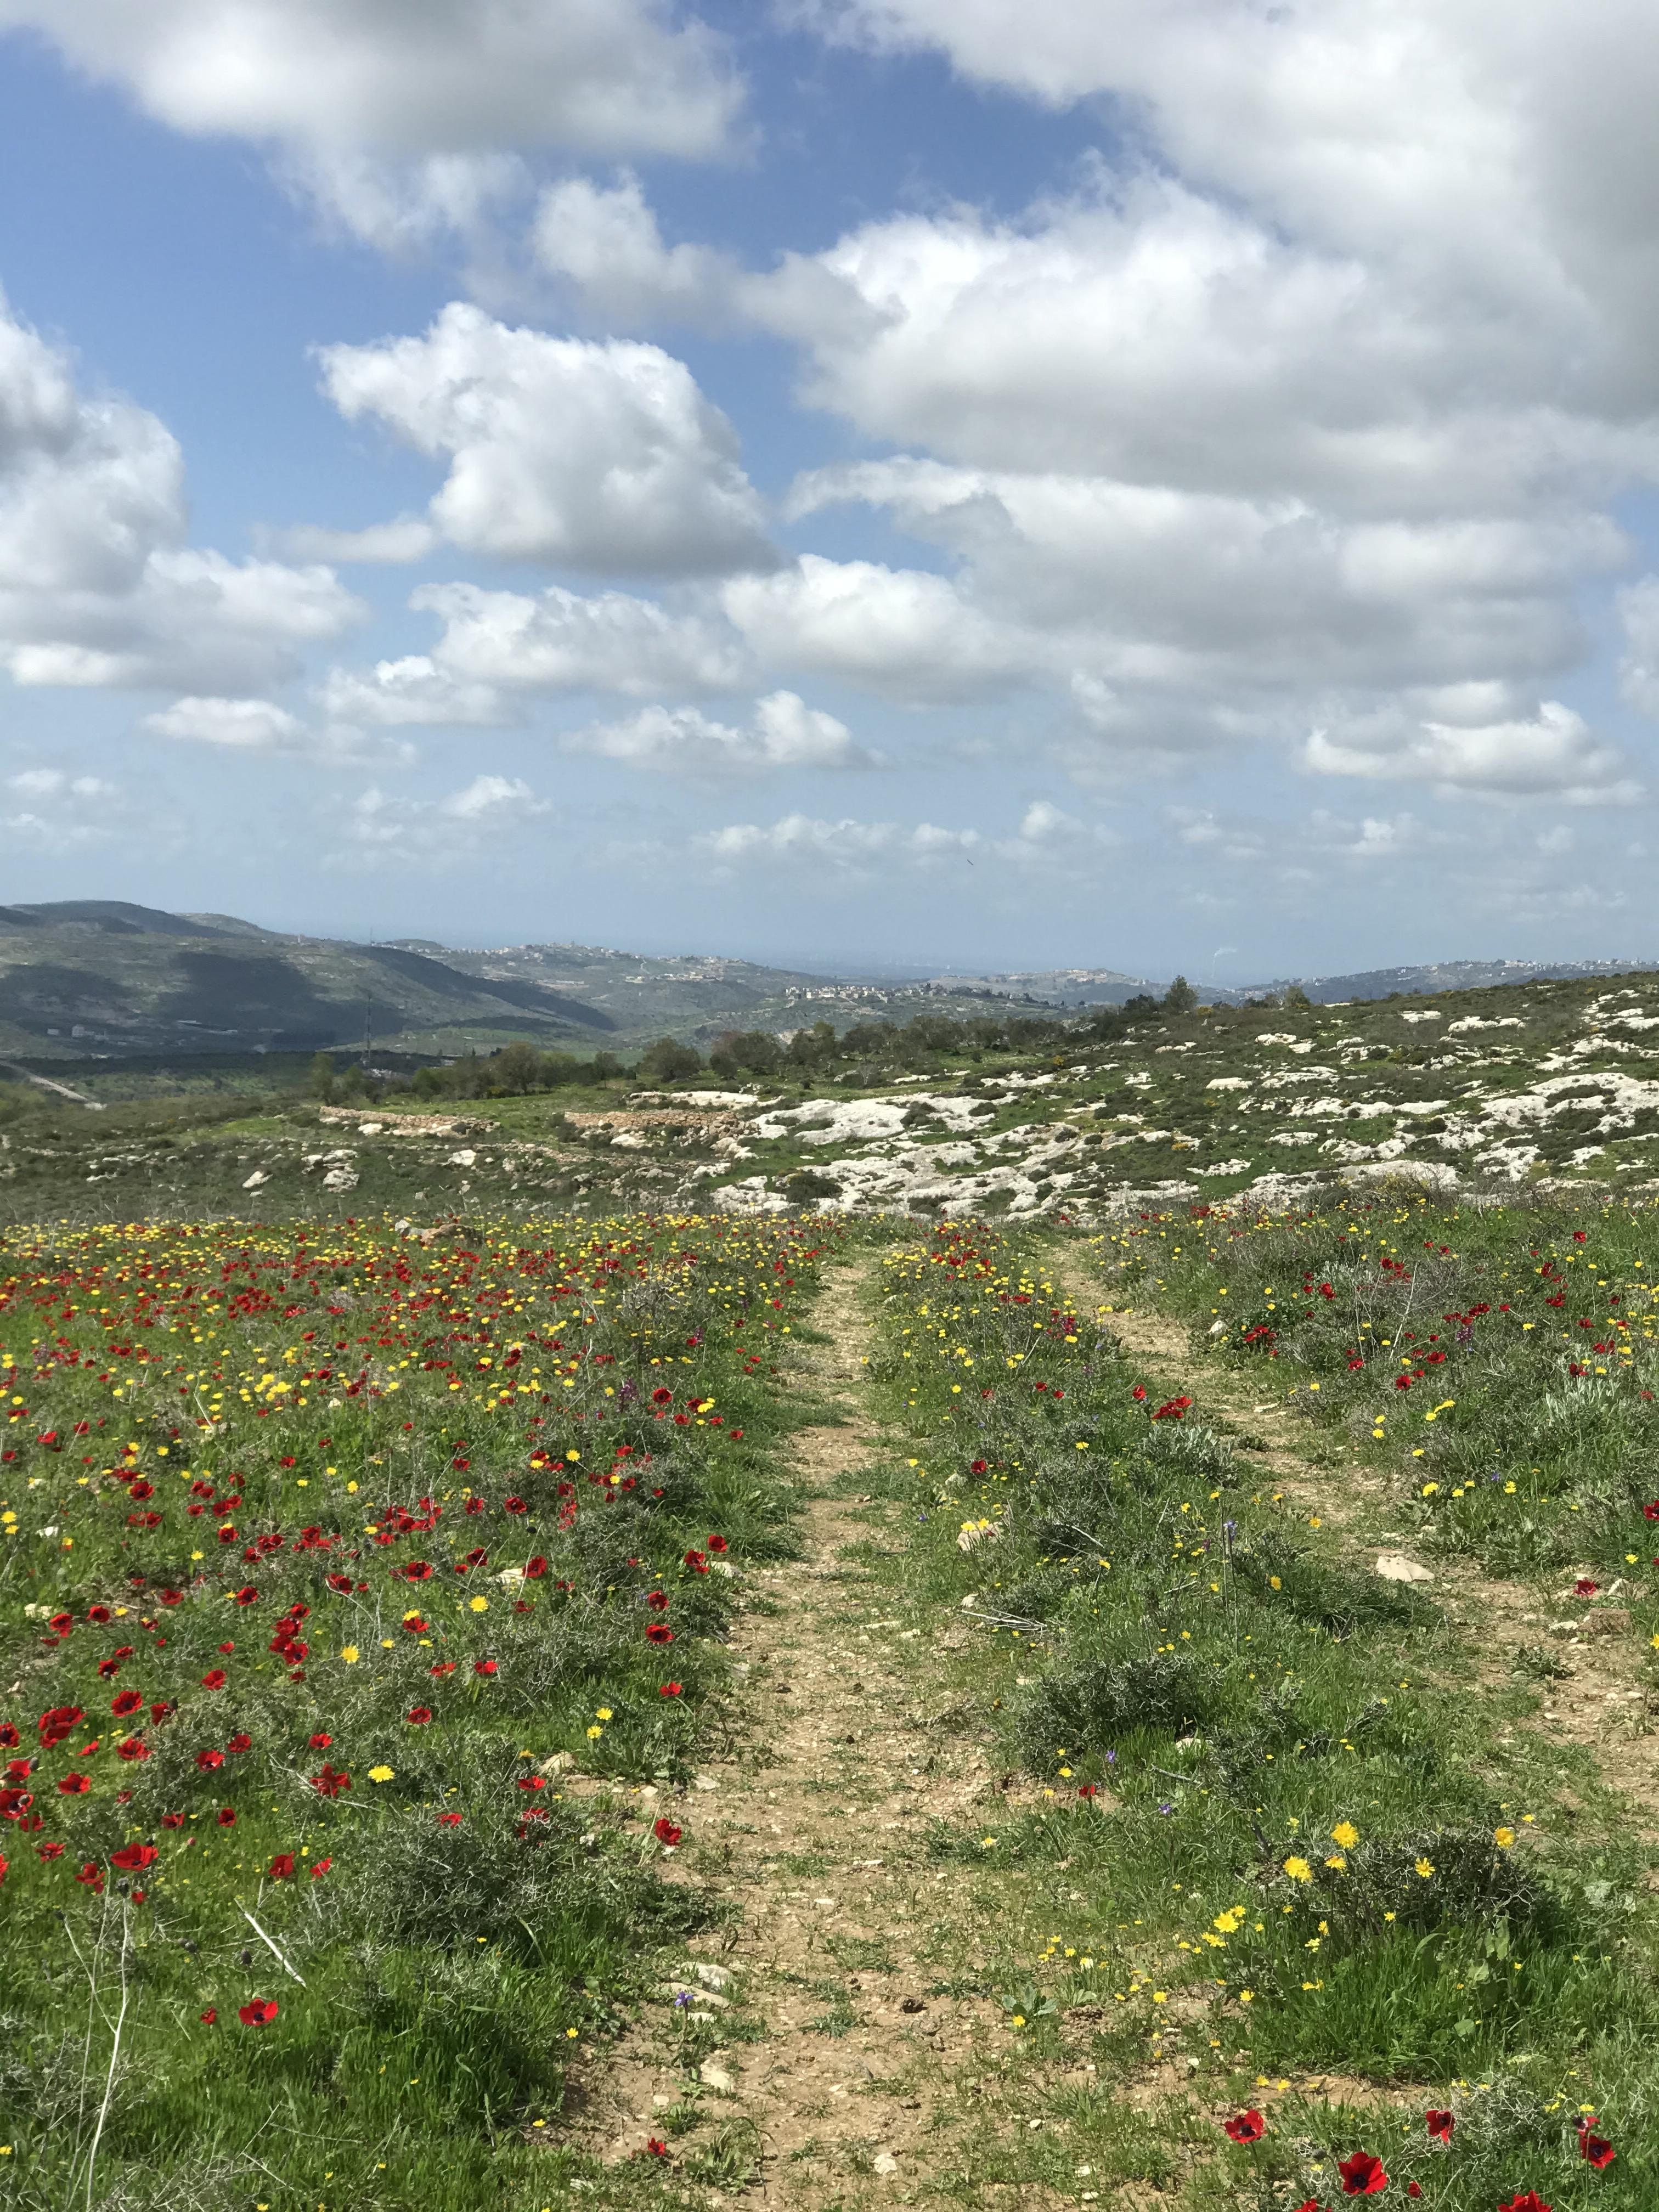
[866, 1053]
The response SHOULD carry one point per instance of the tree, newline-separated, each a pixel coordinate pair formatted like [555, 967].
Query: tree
[516, 1068]
[668, 1060]
[1180, 998]
[811, 1048]
[320, 1083]
[1297, 998]
[756, 1050]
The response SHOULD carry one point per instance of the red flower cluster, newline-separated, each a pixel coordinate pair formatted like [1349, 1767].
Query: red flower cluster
[1595, 2150]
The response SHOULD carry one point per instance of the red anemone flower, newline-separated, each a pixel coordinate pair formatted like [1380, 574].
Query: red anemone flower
[668, 1690]
[418, 1716]
[320, 1868]
[282, 1866]
[449, 1819]
[486, 1667]
[320, 1742]
[258, 2014]
[227, 1817]
[1439, 2124]
[666, 1832]
[1246, 2127]
[215, 1679]
[1595, 2150]
[240, 1742]
[717, 1545]
[207, 1760]
[1528, 2201]
[659, 1632]
[246, 1595]
[328, 1784]
[658, 1601]
[126, 1701]
[1362, 2175]
[132, 1748]
[74, 1785]
[135, 1858]
[655, 2148]
[210, 2016]
[535, 1569]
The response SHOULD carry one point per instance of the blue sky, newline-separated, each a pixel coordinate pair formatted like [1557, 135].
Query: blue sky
[934, 482]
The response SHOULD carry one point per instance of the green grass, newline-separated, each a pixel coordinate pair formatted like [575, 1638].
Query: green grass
[279, 1506]
[1304, 1859]
[1501, 1364]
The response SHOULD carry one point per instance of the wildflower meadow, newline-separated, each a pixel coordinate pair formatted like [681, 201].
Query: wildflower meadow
[1209, 1769]
[326, 1560]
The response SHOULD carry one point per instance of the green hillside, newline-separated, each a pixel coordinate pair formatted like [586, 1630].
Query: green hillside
[1550, 1085]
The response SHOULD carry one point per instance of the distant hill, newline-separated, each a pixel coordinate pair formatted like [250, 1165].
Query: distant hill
[1051, 987]
[1445, 975]
[116, 918]
[81, 978]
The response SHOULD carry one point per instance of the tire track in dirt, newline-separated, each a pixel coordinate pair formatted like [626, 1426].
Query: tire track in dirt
[1596, 1706]
[858, 2078]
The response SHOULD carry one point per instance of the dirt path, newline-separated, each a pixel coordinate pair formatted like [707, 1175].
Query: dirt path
[845, 2074]
[1596, 1702]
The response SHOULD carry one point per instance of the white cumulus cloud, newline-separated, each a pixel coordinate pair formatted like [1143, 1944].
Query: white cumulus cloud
[906, 633]
[406, 75]
[1554, 754]
[97, 583]
[260, 725]
[380, 827]
[594, 456]
[784, 733]
[498, 650]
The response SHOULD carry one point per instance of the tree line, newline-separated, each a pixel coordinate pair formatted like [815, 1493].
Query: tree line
[872, 1052]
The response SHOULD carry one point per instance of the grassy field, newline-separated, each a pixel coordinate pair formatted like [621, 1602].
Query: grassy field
[368, 1593]
[328, 1560]
[1296, 1856]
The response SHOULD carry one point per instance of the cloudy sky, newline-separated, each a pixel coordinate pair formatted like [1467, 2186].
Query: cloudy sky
[1151, 484]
